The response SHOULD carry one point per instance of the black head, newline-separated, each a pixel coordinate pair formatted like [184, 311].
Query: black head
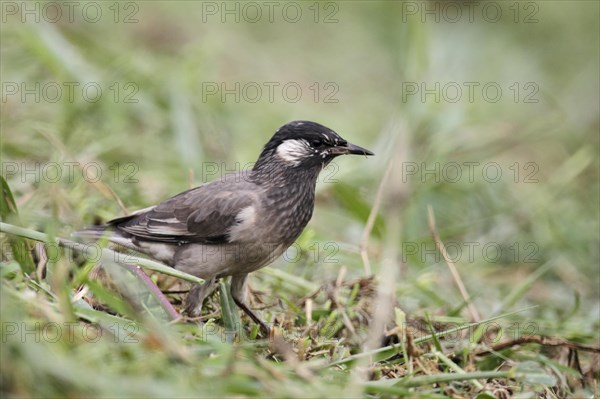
[306, 144]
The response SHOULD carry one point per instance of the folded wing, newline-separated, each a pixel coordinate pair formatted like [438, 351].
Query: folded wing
[204, 214]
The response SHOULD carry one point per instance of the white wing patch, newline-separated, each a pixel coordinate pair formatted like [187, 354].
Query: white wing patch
[143, 210]
[294, 150]
[171, 220]
[245, 228]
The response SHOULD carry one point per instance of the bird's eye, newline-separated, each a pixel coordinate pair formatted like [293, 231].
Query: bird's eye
[316, 143]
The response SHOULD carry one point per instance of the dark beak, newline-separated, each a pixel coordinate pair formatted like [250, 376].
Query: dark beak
[349, 148]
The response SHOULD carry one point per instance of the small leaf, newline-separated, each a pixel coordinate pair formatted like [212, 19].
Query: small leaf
[7, 202]
[534, 374]
[20, 248]
[229, 311]
[485, 395]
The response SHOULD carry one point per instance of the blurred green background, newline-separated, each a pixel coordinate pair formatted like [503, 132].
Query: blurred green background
[486, 111]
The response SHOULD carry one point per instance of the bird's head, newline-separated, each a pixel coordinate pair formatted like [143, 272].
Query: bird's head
[307, 145]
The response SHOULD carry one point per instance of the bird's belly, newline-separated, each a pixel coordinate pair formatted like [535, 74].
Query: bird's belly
[206, 261]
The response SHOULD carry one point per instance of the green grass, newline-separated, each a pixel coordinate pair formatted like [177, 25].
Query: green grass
[526, 243]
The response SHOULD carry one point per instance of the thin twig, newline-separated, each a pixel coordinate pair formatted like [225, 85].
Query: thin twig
[191, 178]
[457, 279]
[541, 340]
[160, 297]
[364, 242]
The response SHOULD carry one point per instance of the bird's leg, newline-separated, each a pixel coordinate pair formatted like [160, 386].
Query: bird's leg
[238, 293]
[196, 297]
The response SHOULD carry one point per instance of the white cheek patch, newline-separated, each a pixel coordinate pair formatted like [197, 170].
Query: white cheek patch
[294, 151]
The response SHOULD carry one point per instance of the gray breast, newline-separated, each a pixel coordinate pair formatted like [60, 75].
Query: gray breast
[289, 209]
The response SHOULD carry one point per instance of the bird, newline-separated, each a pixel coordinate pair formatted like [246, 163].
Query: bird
[238, 223]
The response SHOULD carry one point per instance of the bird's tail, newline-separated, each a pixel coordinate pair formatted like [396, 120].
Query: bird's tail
[108, 232]
[92, 233]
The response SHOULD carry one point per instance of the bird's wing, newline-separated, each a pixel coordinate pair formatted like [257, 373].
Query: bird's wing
[205, 214]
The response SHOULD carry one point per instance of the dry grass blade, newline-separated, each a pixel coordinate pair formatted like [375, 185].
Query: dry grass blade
[386, 290]
[452, 267]
[99, 185]
[364, 242]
